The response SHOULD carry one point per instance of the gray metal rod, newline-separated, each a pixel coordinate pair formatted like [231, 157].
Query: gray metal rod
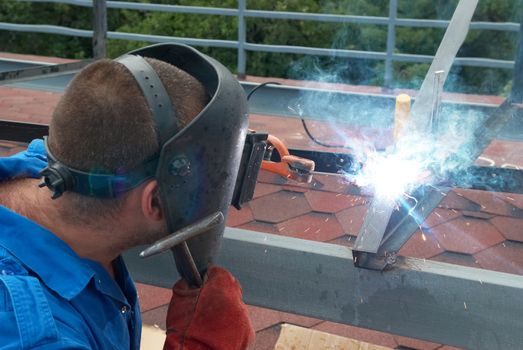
[391, 43]
[242, 38]
[517, 83]
[183, 234]
[99, 29]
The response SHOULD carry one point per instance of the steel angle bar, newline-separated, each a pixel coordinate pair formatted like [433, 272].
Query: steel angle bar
[376, 222]
[452, 40]
[402, 226]
[44, 71]
[402, 222]
[446, 304]
[374, 225]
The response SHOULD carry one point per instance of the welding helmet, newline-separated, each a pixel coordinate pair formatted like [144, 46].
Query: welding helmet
[197, 165]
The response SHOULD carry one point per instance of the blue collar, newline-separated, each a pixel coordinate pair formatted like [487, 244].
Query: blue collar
[55, 263]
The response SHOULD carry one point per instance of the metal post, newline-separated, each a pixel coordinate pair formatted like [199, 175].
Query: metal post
[99, 28]
[241, 38]
[391, 42]
[517, 84]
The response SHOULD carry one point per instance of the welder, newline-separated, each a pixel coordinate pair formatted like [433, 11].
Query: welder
[133, 154]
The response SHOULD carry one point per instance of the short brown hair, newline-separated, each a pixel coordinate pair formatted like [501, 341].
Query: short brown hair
[103, 124]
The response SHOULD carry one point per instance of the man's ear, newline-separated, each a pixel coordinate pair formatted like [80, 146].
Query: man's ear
[151, 204]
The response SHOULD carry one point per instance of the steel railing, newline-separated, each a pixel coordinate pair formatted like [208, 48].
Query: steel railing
[242, 13]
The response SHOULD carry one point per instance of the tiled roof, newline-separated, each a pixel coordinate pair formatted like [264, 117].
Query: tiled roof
[27, 105]
[471, 228]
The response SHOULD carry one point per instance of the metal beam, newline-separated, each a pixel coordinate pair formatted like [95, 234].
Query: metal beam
[438, 302]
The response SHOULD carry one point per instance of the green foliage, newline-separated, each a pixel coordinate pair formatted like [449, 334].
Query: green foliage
[348, 36]
[45, 44]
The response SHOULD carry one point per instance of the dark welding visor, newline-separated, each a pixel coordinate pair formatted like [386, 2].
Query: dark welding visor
[197, 166]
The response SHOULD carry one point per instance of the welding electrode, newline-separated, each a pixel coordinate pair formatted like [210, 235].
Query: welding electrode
[184, 234]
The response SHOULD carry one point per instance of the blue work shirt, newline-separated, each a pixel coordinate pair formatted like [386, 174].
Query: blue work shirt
[50, 298]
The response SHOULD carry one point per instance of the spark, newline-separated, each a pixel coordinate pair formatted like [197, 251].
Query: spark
[326, 220]
[465, 305]
[414, 206]
[389, 175]
[510, 198]
[423, 237]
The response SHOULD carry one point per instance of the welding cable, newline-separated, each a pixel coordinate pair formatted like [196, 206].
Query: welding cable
[318, 142]
[307, 131]
[260, 86]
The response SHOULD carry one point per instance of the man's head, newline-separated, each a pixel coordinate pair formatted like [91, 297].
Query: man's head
[103, 124]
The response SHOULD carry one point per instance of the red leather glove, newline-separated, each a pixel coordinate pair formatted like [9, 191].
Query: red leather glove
[210, 317]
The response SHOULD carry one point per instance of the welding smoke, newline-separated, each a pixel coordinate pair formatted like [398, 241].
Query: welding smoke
[418, 158]
[448, 148]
